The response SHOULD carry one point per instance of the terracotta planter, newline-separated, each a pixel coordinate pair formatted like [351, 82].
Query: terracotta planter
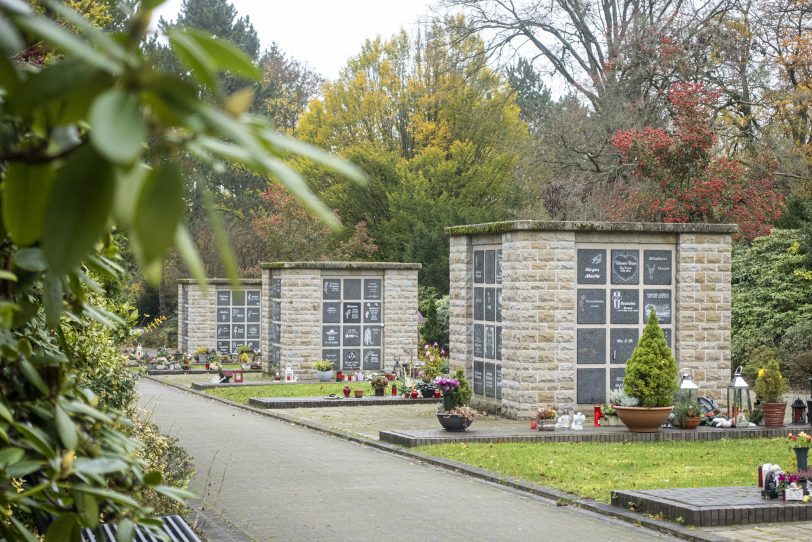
[359, 393]
[691, 422]
[774, 414]
[643, 420]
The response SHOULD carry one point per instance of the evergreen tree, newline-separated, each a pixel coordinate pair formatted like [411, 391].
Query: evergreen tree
[651, 372]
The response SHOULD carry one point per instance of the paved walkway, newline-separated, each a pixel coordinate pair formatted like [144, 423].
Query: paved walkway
[281, 482]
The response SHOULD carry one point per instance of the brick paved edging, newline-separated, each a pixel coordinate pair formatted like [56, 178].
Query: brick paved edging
[560, 497]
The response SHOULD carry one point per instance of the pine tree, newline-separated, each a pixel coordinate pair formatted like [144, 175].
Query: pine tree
[651, 372]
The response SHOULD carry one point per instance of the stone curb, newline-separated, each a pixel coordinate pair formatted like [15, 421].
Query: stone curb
[562, 497]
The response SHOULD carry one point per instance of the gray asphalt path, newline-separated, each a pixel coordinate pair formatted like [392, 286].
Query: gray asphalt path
[277, 481]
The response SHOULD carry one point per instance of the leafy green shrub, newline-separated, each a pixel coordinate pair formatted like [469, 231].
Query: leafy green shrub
[755, 360]
[462, 394]
[771, 385]
[651, 372]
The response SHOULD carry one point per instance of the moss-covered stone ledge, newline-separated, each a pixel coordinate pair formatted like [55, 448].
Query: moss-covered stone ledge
[224, 282]
[341, 265]
[585, 226]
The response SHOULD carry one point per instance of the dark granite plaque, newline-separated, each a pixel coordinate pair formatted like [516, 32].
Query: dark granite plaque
[223, 331]
[625, 267]
[621, 344]
[252, 314]
[276, 333]
[238, 331]
[657, 266]
[372, 288]
[331, 312]
[252, 298]
[372, 312]
[499, 266]
[479, 266]
[479, 340]
[490, 342]
[276, 310]
[625, 308]
[333, 355]
[660, 301]
[667, 334]
[479, 303]
[223, 297]
[372, 359]
[479, 375]
[490, 380]
[352, 336]
[238, 314]
[490, 266]
[276, 354]
[499, 304]
[372, 335]
[331, 335]
[352, 313]
[331, 289]
[276, 288]
[252, 331]
[616, 378]
[591, 306]
[253, 345]
[499, 342]
[591, 345]
[223, 314]
[498, 370]
[238, 297]
[490, 305]
[224, 347]
[591, 266]
[591, 386]
[352, 288]
[352, 360]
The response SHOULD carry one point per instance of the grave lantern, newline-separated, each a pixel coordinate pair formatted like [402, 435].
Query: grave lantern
[686, 382]
[396, 368]
[798, 408]
[737, 390]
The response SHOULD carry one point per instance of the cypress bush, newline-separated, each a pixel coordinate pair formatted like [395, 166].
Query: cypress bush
[651, 372]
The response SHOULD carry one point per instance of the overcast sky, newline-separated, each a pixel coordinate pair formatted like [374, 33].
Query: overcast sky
[323, 33]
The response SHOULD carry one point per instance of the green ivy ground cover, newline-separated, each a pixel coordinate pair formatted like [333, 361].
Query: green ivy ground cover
[593, 469]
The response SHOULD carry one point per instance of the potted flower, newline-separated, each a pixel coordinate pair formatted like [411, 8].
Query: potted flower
[800, 444]
[426, 389]
[610, 416]
[379, 383]
[545, 418]
[460, 416]
[686, 414]
[324, 370]
[447, 386]
[770, 389]
[651, 378]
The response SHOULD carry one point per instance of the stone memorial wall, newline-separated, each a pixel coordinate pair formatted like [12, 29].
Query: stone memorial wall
[556, 316]
[361, 316]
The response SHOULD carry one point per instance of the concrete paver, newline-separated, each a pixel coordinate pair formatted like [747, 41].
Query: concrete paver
[277, 481]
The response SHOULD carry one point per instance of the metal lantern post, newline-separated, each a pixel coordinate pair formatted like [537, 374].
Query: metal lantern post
[736, 392]
[687, 382]
[798, 408]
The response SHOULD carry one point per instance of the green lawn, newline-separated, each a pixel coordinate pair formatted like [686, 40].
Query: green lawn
[592, 469]
[242, 394]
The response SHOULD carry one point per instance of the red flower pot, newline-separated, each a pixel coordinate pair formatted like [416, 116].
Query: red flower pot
[347, 391]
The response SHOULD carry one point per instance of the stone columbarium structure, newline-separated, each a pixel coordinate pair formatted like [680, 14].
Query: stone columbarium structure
[549, 312]
[360, 315]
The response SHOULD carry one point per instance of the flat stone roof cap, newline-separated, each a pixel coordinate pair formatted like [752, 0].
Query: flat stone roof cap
[340, 265]
[550, 225]
[219, 281]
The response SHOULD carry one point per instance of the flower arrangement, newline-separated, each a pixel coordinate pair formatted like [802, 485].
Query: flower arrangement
[466, 412]
[609, 410]
[546, 413]
[379, 381]
[619, 397]
[446, 385]
[323, 365]
[433, 361]
[771, 385]
[801, 440]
